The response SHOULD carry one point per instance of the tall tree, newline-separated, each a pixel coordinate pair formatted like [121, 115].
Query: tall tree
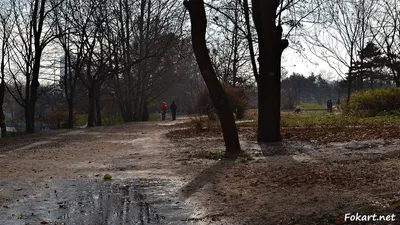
[32, 35]
[5, 29]
[271, 46]
[199, 25]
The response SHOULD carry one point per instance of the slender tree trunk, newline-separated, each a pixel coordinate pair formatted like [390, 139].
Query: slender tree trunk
[235, 47]
[3, 84]
[271, 47]
[30, 120]
[218, 96]
[349, 77]
[2, 114]
[70, 123]
[250, 39]
[397, 78]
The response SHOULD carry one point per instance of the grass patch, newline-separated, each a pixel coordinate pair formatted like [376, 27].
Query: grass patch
[310, 106]
[319, 118]
[154, 117]
[81, 120]
[396, 206]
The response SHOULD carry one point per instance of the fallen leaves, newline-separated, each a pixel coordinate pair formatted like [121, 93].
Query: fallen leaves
[308, 133]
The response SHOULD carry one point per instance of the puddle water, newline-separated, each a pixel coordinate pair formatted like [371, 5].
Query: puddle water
[97, 203]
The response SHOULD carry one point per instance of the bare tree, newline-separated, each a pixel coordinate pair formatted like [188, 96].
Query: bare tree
[218, 96]
[34, 31]
[386, 33]
[5, 29]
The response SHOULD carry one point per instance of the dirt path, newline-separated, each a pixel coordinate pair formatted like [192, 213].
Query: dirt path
[57, 177]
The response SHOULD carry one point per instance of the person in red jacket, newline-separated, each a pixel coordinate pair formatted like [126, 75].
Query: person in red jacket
[164, 110]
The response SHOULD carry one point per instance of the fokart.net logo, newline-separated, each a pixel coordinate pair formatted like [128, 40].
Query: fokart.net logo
[369, 218]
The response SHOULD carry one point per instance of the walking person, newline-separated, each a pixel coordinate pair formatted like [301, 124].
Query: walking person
[173, 108]
[329, 105]
[163, 110]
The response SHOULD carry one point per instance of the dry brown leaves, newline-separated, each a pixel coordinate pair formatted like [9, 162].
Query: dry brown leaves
[321, 134]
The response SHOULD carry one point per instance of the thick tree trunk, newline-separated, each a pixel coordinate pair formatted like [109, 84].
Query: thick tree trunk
[91, 107]
[218, 96]
[98, 111]
[271, 47]
[146, 115]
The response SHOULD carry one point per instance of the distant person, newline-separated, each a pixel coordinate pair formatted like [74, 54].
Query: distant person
[173, 108]
[329, 105]
[163, 110]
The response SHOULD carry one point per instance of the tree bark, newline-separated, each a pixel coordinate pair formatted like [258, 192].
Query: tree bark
[217, 93]
[98, 111]
[250, 39]
[349, 77]
[2, 116]
[70, 123]
[2, 81]
[271, 47]
[91, 107]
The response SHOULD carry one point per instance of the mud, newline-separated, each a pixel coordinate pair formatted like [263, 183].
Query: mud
[99, 202]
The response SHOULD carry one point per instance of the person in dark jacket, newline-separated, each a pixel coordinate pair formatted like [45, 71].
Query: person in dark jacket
[329, 105]
[173, 108]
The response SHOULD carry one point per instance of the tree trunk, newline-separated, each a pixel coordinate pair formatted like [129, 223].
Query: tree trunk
[70, 123]
[30, 119]
[98, 111]
[271, 47]
[349, 77]
[397, 78]
[91, 107]
[250, 39]
[217, 93]
[145, 113]
[2, 115]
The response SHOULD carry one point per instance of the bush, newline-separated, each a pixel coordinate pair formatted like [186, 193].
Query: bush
[59, 119]
[374, 102]
[237, 97]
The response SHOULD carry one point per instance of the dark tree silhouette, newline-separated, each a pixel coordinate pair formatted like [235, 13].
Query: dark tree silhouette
[218, 96]
[271, 46]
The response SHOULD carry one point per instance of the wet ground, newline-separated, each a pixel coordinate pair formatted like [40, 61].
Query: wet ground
[56, 177]
[99, 202]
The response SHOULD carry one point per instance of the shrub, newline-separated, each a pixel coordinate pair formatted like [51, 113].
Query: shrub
[237, 97]
[59, 118]
[374, 102]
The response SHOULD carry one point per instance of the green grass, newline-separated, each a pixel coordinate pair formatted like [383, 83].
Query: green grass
[154, 117]
[80, 120]
[322, 118]
[310, 106]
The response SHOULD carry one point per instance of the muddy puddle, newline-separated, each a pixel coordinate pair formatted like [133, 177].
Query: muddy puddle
[140, 201]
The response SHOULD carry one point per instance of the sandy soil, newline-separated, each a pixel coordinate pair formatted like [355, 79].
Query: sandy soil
[287, 183]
